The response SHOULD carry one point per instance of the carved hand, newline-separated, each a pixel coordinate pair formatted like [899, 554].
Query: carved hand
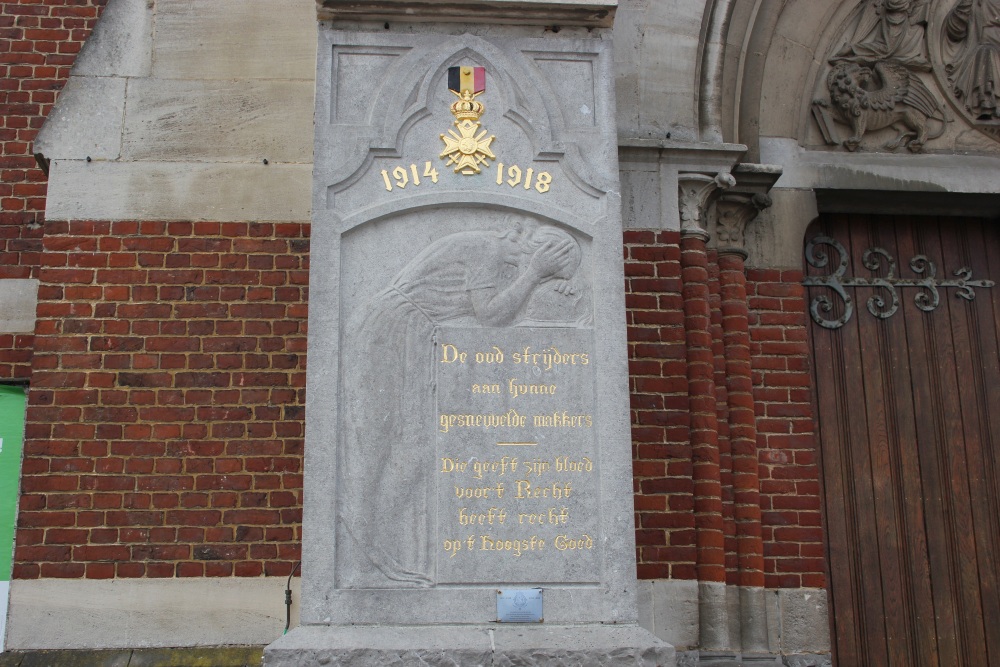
[551, 259]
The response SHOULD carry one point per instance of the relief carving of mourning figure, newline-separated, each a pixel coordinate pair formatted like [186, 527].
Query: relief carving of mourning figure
[473, 278]
[874, 82]
[972, 55]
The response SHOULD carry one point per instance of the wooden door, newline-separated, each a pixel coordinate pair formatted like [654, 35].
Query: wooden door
[908, 409]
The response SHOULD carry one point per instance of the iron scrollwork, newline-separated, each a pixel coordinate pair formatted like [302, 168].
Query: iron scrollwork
[874, 258]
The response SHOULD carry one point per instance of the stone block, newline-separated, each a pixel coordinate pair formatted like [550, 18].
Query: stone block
[675, 610]
[808, 660]
[178, 191]
[86, 120]
[137, 613]
[219, 121]
[470, 646]
[588, 13]
[18, 298]
[805, 622]
[775, 238]
[121, 43]
[235, 39]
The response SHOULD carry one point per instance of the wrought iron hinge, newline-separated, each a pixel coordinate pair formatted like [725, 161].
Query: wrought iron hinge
[926, 300]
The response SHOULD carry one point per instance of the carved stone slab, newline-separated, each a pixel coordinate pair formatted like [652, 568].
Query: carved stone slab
[467, 424]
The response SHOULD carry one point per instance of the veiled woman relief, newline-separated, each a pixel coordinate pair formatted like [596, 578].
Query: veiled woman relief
[526, 274]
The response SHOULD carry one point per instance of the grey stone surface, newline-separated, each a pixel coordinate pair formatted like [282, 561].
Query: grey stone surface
[675, 609]
[380, 243]
[644, 601]
[86, 120]
[121, 43]
[241, 120]
[177, 191]
[753, 619]
[805, 625]
[688, 659]
[775, 238]
[235, 39]
[761, 623]
[139, 613]
[650, 170]
[804, 168]
[713, 615]
[598, 14]
[808, 660]
[18, 299]
[469, 646]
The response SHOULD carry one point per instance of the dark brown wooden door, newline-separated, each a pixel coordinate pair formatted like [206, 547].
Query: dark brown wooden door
[908, 409]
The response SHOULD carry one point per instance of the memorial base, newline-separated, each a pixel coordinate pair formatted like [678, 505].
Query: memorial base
[470, 646]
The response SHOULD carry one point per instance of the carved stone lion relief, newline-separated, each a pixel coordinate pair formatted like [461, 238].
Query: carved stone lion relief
[903, 71]
[876, 80]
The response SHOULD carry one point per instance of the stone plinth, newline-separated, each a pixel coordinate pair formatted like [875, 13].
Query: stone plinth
[470, 646]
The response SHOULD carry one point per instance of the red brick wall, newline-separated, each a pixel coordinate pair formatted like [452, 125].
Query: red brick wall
[165, 416]
[662, 466]
[662, 463]
[38, 43]
[789, 473]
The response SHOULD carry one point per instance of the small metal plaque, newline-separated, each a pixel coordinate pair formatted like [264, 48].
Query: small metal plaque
[519, 605]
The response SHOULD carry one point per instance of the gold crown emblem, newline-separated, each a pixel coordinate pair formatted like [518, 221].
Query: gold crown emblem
[466, 107]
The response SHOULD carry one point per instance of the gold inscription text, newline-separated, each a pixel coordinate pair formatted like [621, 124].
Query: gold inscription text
[479, 491]
[515, 547]
[566, 543]
[553, 516]
[519, 389]
[526, 489]
[493, 514]
[509, 419]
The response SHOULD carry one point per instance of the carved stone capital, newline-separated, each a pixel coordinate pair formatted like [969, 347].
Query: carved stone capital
[694, 197]
[733, 212]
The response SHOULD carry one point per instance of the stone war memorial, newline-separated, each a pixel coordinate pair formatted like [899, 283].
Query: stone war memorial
[468, 493]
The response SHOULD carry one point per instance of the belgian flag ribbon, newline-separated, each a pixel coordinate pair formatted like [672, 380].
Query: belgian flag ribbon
[464, 78]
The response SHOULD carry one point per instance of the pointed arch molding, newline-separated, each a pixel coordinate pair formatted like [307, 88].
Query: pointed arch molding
[407, 106]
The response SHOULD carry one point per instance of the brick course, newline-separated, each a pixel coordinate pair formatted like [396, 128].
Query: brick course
[166, 411]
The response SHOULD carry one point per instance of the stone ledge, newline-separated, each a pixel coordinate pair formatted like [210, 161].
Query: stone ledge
[221, 656]
[472, 645]
[589, 13]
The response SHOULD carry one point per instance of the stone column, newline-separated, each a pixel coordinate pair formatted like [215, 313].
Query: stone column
[734, 211]
[696, 191]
